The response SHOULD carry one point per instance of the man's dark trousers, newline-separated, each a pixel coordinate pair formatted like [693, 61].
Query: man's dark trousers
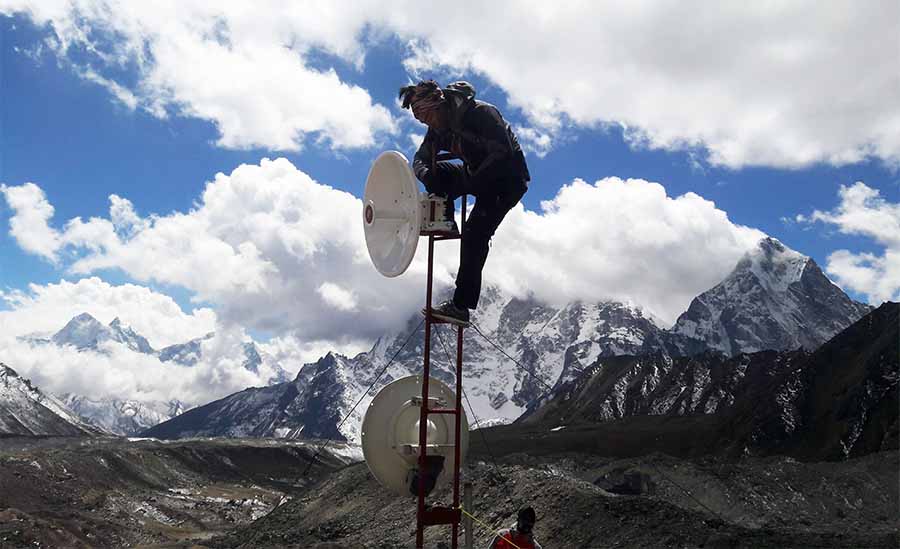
[493, 199]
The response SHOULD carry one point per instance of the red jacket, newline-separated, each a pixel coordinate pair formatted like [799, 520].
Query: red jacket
[522, 541]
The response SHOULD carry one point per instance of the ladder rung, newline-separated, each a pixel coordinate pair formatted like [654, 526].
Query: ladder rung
[413, 449]
[442, 411]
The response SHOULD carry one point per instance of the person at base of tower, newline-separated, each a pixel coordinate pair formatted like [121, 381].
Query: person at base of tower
[493, 171]
[521, 535]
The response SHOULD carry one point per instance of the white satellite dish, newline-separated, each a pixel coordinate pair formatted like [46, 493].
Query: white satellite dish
[390, 432]
[391, 214]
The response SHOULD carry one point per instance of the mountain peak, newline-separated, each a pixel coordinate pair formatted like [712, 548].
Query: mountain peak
[775, 265]
[771, 300]
[84, 318]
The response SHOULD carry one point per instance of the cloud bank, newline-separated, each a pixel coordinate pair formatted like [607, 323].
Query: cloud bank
[275, 250]
[784, 85]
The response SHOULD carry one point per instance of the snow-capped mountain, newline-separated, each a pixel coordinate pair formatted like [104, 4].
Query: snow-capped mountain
[184, 353]
[555, 345]
[775, 298]
[552, 342]
[25, 410]
[122, 417]
[84, 332]
[837, 402]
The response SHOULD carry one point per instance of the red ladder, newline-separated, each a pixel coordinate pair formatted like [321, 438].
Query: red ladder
[429, 516]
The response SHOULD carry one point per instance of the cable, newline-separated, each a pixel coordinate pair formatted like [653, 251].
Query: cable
[516, 362]
[471, 409]
[366, 392]
[486, 526]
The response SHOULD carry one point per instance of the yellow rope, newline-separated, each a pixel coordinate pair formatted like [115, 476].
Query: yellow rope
[487, 527]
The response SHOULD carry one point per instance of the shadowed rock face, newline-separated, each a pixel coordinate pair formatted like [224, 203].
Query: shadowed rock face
[774, 299]
[837, 402]
[310, 404]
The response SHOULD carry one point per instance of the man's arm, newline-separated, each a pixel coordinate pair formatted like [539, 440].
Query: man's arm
[422, 160]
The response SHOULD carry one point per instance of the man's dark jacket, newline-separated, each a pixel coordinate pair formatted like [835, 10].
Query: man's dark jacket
[479, 136]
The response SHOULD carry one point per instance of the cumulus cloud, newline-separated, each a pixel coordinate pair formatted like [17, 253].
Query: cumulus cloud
[863, 211]
[248, 71]
[787, 84]
[46, 308]
[755, 84]
[116, 371]
[625, 240]
[29, 222]
[275, 250]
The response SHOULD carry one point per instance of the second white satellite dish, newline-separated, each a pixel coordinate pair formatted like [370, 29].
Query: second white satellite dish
[390, 432]
[391, 216]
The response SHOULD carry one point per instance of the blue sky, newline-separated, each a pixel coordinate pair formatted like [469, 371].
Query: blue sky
[73, 139]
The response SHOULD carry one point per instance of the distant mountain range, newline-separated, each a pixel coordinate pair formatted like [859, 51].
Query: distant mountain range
[128, 416]
[775, 299]
[120, 416]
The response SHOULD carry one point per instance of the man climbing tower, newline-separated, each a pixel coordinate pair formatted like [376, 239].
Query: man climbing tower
[521, 535]
[493, 171]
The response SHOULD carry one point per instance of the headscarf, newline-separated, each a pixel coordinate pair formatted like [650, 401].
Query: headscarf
[423, 99]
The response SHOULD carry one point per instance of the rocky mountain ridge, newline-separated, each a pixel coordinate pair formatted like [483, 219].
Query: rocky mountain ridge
[552, 345]
[837, 402]
[26, 410]
[774, 299]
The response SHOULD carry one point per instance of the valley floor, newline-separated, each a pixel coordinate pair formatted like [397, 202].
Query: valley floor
[114, 492]
[224, 493]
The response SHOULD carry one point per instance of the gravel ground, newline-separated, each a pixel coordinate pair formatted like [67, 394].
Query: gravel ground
[654, 501]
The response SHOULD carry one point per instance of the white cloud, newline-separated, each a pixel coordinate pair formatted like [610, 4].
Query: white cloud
[757, 84]
[337, 297]
[618, 239]
[248, 71]
[785, 84]
[862, 211]
[292, 353]
[29, 222]
[116, 370]
[122, 373]
[277, 251]
[271, 248]
[156, 316]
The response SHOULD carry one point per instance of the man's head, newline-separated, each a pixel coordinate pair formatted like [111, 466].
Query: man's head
[427, 102]
[525, 520]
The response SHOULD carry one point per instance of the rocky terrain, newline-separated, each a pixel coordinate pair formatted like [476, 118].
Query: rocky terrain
[111, 492]
[586, 501]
